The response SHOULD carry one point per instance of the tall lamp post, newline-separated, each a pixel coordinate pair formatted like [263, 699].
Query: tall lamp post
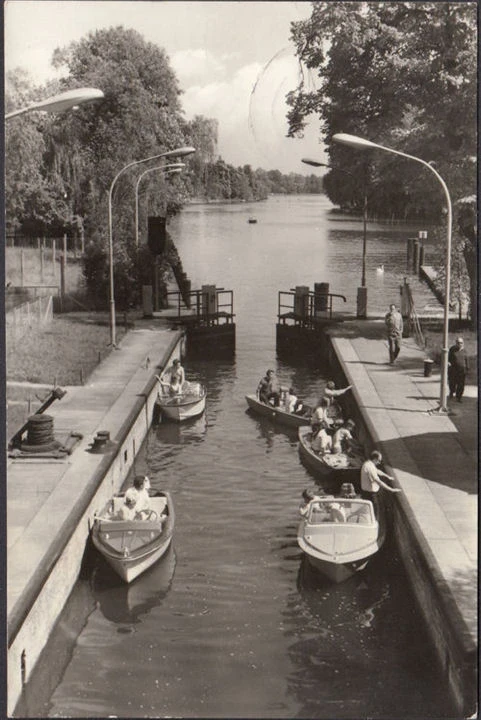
[362, 291]
[178, 152]
[362, 144]
[59, 103]
[170, 169]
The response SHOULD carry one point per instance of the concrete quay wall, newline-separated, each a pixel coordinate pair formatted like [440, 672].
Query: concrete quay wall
[450, 629]
[34, 613]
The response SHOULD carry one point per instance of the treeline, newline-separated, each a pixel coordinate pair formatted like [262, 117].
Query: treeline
[403, 75]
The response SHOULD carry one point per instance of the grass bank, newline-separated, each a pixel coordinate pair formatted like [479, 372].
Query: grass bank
[65, 353]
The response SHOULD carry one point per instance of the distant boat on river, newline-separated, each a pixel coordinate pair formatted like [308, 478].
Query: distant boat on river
[252, 220]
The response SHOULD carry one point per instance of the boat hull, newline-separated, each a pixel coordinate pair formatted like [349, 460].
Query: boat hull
[275, 414]
[131, 547]
[182, 408]
[341, 464]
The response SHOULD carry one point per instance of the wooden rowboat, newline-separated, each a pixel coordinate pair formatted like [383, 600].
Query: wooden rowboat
[340, 535]
[275, 413]
[132, 546]
[189, 404]
[340, 463]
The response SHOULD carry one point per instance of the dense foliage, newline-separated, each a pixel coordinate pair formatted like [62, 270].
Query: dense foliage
[59, 168]
[403, 75]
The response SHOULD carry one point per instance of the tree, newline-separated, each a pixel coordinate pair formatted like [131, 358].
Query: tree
[405, 76]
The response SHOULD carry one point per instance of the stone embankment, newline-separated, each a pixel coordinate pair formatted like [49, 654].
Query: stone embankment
[51, 501]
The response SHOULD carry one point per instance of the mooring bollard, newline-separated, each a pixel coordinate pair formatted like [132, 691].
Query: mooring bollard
[428, 367]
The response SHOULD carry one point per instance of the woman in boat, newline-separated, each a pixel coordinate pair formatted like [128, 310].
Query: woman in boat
[320, 415]
[331, 393]
[142, 506]
[321, 442]
[343, 440]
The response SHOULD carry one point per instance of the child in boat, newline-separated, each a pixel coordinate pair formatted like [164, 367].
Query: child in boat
[127, 510]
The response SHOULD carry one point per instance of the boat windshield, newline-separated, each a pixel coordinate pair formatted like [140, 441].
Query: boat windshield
[341, 510]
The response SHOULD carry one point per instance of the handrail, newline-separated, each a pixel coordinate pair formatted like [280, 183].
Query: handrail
[311, 302]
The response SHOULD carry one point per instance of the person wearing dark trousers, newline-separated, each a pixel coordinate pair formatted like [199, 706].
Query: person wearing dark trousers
[394, 324]
[458, 366]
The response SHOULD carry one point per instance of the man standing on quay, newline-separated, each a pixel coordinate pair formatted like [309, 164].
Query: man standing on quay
[457, 368]
[394, 324]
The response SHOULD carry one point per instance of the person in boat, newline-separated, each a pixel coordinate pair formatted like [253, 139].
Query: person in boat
[337, 512]
[127, 511]
[343, 440]
[269, 389]
[142, 487]
[176, 378]
[331, 392]
[321, 441]
[292, 403]
[371, 479]
[320, 415]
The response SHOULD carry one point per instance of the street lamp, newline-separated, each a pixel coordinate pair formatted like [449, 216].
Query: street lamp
[362, 144]
[178, 152]
[171, 169]
[63, 101]
[362, 293]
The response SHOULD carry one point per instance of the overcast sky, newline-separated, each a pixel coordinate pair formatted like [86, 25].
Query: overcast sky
[234, 61]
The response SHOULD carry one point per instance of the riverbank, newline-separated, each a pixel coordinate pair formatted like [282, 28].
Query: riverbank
[433, 458]
[51, 501]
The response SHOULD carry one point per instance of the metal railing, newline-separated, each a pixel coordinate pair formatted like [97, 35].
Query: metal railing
[305, 308]
[204, 307]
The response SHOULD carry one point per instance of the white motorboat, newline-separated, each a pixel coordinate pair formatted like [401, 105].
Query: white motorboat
[188, 404]
[340, 535]
[132, 546]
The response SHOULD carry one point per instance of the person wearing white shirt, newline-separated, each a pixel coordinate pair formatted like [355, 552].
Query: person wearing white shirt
[322, 442]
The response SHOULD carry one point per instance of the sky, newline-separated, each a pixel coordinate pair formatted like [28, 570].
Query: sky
[234, 62]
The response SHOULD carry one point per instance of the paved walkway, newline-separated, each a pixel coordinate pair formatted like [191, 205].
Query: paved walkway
[41, 493]
[433, 457]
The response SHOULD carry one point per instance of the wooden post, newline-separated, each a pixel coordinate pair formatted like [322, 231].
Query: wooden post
[42, 268]
[54, 258]
[410, 254]
[82, 239]
[63, 263]
[38, 243]
[22, 267]
[65, 246]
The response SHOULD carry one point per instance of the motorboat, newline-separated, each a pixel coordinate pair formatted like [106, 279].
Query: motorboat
[339, 535]
[252, 220]
[338, 463]
[132, 546]
[278, 414]
[188, 404]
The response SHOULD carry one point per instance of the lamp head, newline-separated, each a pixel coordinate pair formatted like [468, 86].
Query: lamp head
[179, 152]
[314, 163]
[353, 141]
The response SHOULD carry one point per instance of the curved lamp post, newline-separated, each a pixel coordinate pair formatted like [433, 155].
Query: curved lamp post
[361, 312]
[178, 152]
[362, 144]
[59, 103]
[171, 169]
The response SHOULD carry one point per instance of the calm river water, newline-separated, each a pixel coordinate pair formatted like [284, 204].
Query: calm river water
[231, 623]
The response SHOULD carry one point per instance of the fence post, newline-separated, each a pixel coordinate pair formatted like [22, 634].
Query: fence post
[42, 268]
[22, 267]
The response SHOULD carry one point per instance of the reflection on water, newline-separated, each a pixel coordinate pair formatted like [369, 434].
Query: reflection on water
[243, 628]
[122, 603]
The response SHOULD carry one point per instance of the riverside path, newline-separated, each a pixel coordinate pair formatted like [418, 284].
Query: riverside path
[433, 458]
[49, 500]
